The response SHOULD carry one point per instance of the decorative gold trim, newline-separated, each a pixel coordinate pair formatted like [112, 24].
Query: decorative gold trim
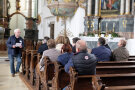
[127, 13]
[89, 15]
[100, 8]
[39, 19]
[96, 15]
[121, 13]
[113, 15]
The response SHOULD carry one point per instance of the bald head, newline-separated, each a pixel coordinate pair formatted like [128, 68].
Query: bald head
[122, 43]
[81, 45]
[17, 32]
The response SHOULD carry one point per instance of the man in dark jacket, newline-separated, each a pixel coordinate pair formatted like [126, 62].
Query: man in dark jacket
[101, 52]
[82, 61]
[15, 44]
[44, 46]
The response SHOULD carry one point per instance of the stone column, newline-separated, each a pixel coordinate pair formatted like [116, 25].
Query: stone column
[4, 8]
[89, 8]
[133, 7]
[127, 7]
[96, 7]
[30, 9]
[122, 7]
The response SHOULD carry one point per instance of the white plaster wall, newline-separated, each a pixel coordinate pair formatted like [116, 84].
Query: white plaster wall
[131, 46]
[44, 12]
[77, 22]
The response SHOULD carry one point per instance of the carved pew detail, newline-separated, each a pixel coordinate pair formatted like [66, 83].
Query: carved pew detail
[116, 81]
[33, 64]
[61, 79]
[80, 82]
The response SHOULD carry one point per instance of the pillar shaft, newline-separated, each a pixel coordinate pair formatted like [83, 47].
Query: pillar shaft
[30, 9]
[122, 7]
[96, 7]
[89, 8]
[127, 7]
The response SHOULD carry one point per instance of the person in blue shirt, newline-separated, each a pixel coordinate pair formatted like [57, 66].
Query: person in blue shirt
[66, 51]
[15, 43]
[44, 46]
[101, 52]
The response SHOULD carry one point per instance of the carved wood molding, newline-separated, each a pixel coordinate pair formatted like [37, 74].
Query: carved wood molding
[17, 13]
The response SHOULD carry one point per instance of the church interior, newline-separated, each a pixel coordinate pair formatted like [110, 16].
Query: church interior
[88, 20]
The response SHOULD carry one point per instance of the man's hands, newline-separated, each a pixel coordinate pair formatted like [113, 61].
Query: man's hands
[20, 46]
[15, 46]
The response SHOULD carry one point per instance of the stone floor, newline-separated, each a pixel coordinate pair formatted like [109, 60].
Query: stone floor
[6, 81]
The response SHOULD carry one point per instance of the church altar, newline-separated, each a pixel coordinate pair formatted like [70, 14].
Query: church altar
[92, 41]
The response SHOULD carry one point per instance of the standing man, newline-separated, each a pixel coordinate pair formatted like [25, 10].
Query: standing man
[15, 44]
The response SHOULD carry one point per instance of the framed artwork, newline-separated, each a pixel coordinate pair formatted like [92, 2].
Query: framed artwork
[109, 7]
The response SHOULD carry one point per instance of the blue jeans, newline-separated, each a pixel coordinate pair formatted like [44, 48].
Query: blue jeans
[12, 67]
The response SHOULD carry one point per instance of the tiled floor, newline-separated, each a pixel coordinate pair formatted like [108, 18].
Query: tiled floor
[6, 81]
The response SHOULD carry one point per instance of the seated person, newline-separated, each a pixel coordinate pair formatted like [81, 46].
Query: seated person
[101, 52]
[60, 41]
[82, 61]
[67, 41]
[66, 51]
[44, 46]
[121, 53]
[74, 42]
[52, 53]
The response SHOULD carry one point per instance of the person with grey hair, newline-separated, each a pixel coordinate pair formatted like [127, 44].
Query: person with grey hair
[121, 53]
[82, 61]
[15, 43]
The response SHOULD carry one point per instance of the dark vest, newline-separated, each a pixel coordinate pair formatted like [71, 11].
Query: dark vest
[84, 63]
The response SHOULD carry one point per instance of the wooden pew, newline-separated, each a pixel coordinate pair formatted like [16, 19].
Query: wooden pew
[38, 79]
[100, 70]
[115, 81]
[33, 63]
[46, 76]
[116, 63]
[38, 44]
[30, 63]
[61, 79]
[80, 82]
[115, 69]
[23, 62]
[27, 63]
